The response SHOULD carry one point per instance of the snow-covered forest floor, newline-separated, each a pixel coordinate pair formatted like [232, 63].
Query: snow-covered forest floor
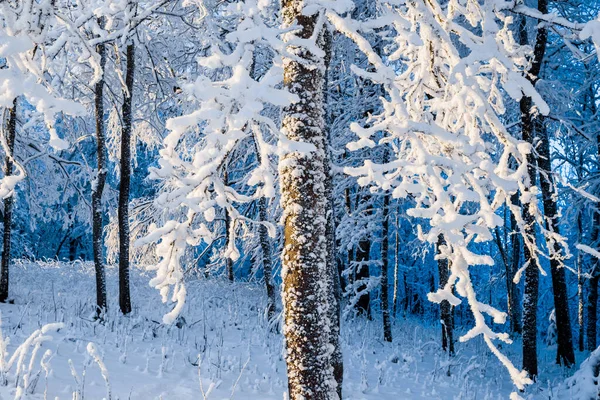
[225, 329]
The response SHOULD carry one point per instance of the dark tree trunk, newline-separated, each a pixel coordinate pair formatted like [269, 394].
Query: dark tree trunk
[98, 189]
[530, 298]
[385, 306]
[592, 303]
[124, 292]
[228, 228]
[446, 309]
[306, 288]
[266, 259]
[333, 273]
[8, 204]
[592, 312]
[396, 266]
[363, 251]
[564, 352]
[513, 297]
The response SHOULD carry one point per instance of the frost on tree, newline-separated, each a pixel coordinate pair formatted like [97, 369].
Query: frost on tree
[227, 112]
[441, 115]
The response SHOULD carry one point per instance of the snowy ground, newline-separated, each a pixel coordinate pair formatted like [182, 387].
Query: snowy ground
[225, 329]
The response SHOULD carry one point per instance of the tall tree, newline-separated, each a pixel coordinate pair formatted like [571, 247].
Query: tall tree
[124, 186]
[564, 352]
[98, 186]
[528, 129]
[385, 303]
[11, 132]
[333, 272]
[304, 201]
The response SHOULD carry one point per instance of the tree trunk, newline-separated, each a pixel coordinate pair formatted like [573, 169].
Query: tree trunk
[396, 266]
[228, 228]
[333, 273]
[98, 189]
[513, 298]
[530, 298]
[564, 352]
[363, 305]
[306, 291]
[592, 303]
[8, 203]
[446, 309]
[266, 259]
[124, 292]
[385, 306]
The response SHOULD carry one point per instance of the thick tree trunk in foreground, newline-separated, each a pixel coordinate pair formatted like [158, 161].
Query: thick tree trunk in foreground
[123, 211]
[446, 309]
[8, 204]
[306, 288]
[98, 189]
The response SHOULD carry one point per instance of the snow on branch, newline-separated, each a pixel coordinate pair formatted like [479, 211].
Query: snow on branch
[442, 118]
[229, 116]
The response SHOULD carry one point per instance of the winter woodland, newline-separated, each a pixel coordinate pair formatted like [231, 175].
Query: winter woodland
[300, 199]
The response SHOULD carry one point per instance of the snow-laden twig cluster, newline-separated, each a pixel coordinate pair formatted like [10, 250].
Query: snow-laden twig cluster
[444, 87]
[201, 144]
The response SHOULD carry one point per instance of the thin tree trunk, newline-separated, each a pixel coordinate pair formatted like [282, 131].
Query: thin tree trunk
[385, 306]
[334, 278]
[306, 290]
[530, 298]
[446, 309]
[98, 189]
[592, 303]
[265, 246]
[396, 266]
[8, 204]
[123, 211]
[515, 320]
[592, 312]
[564, 352]
[363, 305]
[580, 302]
[228, 228]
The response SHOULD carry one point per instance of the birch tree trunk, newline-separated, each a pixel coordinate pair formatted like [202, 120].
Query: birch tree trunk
[306, 288]
[125, 164]
[8, 204]
[98, 188]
